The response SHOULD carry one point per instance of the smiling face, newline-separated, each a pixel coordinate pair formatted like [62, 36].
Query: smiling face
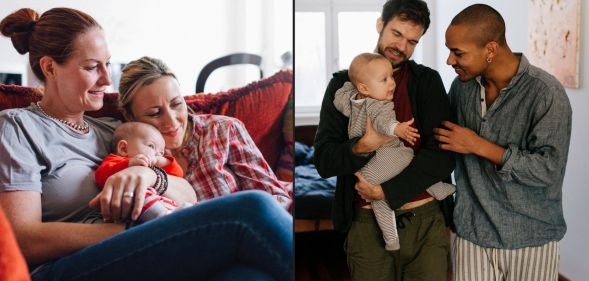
[161, 105]
[83, 78]
[466, 56]
[398, 39]
[378, 80]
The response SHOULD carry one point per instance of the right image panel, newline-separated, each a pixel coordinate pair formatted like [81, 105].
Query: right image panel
[429, 147]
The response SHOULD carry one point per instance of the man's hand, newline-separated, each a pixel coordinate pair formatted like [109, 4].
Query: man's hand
[371, 140]
[406, 132]
[463, 140]
[456, 138]
[366, 190]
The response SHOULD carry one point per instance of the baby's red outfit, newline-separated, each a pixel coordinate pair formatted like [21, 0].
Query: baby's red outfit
[114, 163]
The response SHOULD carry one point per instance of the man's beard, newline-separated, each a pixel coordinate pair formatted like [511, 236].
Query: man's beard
[381, 50]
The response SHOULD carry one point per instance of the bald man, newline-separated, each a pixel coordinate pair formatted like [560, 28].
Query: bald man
[512, 140]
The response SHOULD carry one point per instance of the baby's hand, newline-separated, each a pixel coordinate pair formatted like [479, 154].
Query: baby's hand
[161, 161]
[139, 160]
[406, 132]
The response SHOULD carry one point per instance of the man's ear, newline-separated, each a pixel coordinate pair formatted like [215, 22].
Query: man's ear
[379, 25]
[122, 148]
[47, 65]
[491, 49]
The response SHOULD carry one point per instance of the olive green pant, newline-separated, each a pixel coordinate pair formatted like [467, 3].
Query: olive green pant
[424, 247]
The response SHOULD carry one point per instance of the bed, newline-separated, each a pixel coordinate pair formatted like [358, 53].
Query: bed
[313, 195]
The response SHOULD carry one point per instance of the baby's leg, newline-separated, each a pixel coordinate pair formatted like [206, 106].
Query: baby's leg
[385, 217]
[155, 206]
[388, 162]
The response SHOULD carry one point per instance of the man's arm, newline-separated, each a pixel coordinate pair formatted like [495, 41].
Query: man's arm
[430, 164]
[464, 141]
[544, 154]
[544, 159]
[333, 150]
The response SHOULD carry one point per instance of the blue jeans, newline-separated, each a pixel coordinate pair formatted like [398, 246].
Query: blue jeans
[242, 236]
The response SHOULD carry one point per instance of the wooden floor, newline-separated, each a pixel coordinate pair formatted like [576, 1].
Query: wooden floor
[319, 256]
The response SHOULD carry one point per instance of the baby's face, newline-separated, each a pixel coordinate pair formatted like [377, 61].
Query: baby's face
[379, 79]
[148, 144]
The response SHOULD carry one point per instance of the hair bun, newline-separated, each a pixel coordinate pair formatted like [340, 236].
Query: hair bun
[31, 26]
[19, 26]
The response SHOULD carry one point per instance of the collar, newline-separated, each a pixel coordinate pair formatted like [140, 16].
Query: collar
[522, 69]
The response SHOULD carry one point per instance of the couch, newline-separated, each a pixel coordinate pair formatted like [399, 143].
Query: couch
[264, 106]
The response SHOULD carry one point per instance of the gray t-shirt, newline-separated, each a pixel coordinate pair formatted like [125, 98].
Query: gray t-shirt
[41, 154]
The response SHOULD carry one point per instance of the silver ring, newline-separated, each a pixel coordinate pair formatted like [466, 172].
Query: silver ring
[128, 194]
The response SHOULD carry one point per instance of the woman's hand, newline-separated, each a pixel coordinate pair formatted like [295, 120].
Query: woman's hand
[124, 194]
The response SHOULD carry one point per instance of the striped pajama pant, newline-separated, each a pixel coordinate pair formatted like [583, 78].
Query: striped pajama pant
[475, 263]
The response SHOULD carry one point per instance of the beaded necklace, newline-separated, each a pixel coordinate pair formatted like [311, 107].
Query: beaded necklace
[80, 128]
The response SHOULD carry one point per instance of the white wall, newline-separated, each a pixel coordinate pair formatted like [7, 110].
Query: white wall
[575, 245]
[185, 34]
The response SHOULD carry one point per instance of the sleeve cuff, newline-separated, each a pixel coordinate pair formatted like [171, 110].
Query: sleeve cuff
[393, 127]
[505, 170]
[359, 159]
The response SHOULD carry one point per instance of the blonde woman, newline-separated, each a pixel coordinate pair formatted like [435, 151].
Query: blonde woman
[216, 153]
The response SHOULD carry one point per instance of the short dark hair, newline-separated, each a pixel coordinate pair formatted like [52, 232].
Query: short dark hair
[407, 10]
[486, 24]
[51, 34]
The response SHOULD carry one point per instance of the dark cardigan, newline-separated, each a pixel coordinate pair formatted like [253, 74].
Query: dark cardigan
[333, 149]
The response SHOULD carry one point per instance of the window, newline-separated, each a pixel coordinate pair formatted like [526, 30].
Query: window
[357, 33]
[310, 64]
[328, 34]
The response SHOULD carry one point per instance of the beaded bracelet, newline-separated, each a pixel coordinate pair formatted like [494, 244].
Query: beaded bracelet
[161, 182]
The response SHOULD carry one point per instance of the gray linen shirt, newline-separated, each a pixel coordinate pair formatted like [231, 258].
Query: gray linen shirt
[520, 203]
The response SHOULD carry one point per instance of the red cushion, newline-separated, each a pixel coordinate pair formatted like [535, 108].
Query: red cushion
[259, 106]
[17, 96]
[12, 263]
[285, 166]
[12, 96]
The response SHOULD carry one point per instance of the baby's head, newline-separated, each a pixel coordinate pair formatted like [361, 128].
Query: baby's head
[372, 75]
[133, 138]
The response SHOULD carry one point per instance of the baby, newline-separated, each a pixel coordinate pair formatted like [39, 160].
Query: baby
[370, 95]
[140, 144]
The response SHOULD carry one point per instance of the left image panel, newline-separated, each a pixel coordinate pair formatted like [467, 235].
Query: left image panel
[134, 135]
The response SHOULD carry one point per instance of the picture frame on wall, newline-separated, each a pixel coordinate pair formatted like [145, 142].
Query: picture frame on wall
[553, 33]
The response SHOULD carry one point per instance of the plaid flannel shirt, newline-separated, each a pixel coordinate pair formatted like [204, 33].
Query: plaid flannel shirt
[224, 159]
